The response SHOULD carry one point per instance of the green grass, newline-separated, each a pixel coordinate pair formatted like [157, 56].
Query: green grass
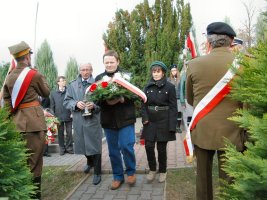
[181, 183]
[56, 183]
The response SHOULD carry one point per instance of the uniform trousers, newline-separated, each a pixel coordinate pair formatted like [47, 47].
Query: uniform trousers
[162, 155]
[35, 144]
[204, 189]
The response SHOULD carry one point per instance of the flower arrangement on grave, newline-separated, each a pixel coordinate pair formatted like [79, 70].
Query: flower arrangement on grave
[51, 124]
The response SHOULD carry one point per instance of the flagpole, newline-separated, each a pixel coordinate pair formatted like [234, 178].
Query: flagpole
[35, 28]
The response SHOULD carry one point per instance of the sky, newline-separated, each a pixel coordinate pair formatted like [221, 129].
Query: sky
[74, 28]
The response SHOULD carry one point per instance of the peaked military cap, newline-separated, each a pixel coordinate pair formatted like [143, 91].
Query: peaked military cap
[173, 66]
[237, 41]
[160, 64]
[220, 28]
[20, 49]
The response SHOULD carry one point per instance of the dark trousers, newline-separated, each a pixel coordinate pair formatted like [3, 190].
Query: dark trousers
[45, 149]
[179, 119]
[151, 157]
[204, 189]
[37, 183]
[68, 144]
[95, 160]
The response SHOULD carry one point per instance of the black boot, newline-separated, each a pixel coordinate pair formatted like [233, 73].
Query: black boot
[37, 183]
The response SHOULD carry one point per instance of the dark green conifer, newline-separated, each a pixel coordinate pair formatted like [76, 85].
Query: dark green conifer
[46, 65]
[249, 169]
[15, 175]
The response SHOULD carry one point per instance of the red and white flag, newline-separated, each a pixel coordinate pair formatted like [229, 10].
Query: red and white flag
[190, 45]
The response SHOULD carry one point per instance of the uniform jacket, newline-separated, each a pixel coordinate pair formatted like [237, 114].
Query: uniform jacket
[202, 74]
[162, 124]
[56, 105]
[87, 130]
[119, 115]
[28, 119]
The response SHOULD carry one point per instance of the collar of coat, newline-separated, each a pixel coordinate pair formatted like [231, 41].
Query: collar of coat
[90, 80]
[159, 83]
[111, 74]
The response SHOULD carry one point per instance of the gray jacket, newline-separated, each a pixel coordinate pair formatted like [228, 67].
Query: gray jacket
[87, 130]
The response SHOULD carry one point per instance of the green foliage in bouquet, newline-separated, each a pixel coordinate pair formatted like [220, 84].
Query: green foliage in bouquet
[109, 90]
[249, 169]
[15, 175]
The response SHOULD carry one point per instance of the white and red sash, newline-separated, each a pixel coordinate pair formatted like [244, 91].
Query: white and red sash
[118, 79]
[21, 86]
[212, 98]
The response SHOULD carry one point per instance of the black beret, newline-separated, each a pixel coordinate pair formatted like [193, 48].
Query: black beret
[220, 28]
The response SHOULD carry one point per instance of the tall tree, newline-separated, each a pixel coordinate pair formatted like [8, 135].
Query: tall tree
[72, 69]
[261, 28]
[45, 64]
[147, 34]
[246, 32]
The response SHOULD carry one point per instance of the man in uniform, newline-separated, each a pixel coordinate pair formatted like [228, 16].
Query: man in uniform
[210, 131]
[21, 90]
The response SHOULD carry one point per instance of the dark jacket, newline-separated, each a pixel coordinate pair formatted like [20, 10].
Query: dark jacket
[119, 115]
[177, 87]
[161, 124]
[56, 105]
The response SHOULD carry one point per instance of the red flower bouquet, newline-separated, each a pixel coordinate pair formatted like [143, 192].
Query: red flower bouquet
[108, 90]
[113, 88]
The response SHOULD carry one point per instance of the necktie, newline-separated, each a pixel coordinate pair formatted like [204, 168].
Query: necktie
[85, 83]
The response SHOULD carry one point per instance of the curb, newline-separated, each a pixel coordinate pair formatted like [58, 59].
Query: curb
[76, 187]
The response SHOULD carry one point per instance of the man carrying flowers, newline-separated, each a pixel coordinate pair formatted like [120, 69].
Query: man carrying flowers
[117, 119]
[87, 129]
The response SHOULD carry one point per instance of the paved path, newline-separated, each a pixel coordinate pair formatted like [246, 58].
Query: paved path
[141, 190]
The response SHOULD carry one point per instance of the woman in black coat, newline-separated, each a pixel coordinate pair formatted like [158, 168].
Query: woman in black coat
[159, 117]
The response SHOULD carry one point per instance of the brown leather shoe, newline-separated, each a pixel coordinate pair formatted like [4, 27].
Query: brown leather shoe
[131, 180]
[116, 184]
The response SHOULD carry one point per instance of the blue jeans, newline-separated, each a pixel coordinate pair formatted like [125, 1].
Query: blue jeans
[121, 143]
